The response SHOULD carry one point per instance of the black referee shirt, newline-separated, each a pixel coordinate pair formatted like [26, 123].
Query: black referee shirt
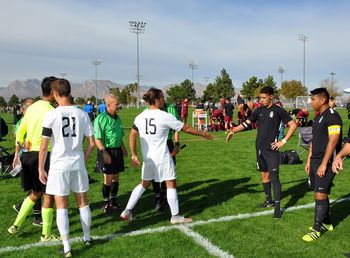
[269, 120]
[327, 123]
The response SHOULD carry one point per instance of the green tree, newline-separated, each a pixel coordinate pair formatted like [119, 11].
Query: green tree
[79, 100]
[251, 87]
[292, 89]
[179, 92]
[222, 87]
[2, 102]
[332, 88]
[14, 100]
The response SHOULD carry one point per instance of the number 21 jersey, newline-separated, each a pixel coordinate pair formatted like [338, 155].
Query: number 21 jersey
[67, 126]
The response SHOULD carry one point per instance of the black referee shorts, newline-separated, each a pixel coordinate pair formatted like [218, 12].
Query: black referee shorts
[117, 161]
[30, 174]
[321, 184]
[267, 161]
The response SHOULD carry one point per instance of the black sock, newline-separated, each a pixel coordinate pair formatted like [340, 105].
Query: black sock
[106, 190]
[276, 186]
[320, 213]
[267, 191]
[114, 192]
[327, 217]
[37, 209]
[157, 190]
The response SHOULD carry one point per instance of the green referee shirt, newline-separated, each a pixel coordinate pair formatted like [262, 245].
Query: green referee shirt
[169, 108]
[109, 130]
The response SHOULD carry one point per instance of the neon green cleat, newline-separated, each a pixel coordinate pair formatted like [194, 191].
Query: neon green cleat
[311, 236]
[13, 230]
[325, 227]
[50, 238]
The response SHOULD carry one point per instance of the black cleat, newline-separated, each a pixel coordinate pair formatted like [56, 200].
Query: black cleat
[106, 208]
[277, 214]
[266, 204]
[16, 207]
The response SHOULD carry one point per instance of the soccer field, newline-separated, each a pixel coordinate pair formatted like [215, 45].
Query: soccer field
[218, 186]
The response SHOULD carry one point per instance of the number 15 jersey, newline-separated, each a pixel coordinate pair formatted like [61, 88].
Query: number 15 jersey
[67, 126]
[153, 126]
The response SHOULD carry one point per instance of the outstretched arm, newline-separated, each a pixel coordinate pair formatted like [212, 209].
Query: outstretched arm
[190, 130]
[241, 127]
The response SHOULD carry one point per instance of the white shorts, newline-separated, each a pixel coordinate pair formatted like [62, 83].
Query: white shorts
[62, 182]
[158, 173]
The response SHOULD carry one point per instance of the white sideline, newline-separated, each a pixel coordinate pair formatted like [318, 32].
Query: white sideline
[204, 242]
[164, 228]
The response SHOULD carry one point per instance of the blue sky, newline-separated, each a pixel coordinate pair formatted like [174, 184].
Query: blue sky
[247, 38]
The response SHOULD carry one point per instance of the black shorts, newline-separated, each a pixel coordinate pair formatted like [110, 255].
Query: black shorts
[30, 174]
[267, 161]
[321, 184]
[117, 161]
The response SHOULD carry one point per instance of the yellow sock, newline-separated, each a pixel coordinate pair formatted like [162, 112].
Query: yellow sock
[26, 207]
[47, 214]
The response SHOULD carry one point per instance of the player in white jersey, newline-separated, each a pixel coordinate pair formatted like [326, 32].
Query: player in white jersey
[153, 126]
[67, 126]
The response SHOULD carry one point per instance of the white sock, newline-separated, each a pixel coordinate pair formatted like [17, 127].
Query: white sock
[63, 227]
[173, 201]
[85, 220]
[135, 196]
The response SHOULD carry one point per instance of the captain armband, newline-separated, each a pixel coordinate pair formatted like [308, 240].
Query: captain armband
[246, 125]
[334, 129]
[47, 132]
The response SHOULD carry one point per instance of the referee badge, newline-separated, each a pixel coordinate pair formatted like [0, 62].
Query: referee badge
[271, 114]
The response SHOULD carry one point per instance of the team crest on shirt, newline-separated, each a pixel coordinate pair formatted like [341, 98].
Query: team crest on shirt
[271, 114]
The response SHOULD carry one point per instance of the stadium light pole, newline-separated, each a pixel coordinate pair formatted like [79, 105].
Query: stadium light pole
[332, 74]
[96, 63]
[206, 80]
[193, 65]
[137, 28]
[303, 38]
[281, 71]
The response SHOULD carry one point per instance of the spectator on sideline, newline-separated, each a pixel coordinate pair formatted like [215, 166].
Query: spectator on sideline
[102, 107]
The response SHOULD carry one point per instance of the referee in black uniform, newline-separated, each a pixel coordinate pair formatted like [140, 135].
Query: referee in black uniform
[269, 117]
[326, 132]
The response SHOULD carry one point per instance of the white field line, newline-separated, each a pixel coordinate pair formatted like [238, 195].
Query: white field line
[204, 242]
[164, 228]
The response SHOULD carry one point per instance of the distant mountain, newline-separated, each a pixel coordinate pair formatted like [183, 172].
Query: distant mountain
[31, 88]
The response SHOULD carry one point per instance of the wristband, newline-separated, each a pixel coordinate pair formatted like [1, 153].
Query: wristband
[284, 141]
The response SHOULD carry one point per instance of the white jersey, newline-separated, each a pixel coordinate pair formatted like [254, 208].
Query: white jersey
[153, 127]
[67, 126]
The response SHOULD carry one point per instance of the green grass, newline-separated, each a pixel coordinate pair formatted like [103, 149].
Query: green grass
[214, 180]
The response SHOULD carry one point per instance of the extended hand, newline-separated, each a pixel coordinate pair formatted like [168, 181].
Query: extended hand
[337, 164]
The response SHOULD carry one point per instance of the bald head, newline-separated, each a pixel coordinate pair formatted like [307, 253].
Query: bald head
[112, 103]
[25, 103]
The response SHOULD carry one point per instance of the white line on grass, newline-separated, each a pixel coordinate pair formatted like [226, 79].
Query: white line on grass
[164, 228]
[204, 242]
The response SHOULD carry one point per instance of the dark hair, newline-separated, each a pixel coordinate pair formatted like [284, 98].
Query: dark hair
[152, 95]
[321, 92]
[46, 85]
[249, 98]
[228, 98]
[267, 90]
[62, 87]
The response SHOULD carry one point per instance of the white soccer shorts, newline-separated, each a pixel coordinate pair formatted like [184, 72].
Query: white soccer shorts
[62, 182]
[158, 173]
